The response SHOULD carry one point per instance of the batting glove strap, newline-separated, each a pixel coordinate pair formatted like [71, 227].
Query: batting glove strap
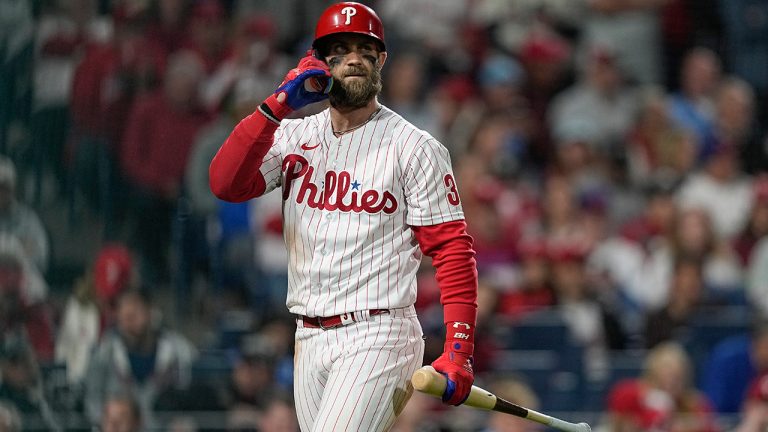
[456, 366]
[273, 110]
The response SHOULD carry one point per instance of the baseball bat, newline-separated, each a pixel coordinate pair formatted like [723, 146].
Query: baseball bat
[428, 380]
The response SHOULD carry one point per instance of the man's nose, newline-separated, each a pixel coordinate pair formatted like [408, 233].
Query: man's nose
[354, 57]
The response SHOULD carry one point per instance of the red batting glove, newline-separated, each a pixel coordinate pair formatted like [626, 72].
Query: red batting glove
[456, 362]
[307, 83]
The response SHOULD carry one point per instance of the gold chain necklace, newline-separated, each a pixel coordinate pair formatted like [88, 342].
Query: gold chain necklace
[337, 133]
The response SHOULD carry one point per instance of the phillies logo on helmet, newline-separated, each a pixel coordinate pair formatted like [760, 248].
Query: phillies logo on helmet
[337, 18]
[349, 12]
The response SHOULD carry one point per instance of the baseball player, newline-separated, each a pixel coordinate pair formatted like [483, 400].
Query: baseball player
[365, 195]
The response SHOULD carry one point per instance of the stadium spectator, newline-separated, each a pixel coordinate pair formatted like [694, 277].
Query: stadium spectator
[511, 23]
[721, 190]
[545, 56]
[254, 56]
[23, 309]
[591, 321]
[251, 381]
[499, 79]
[167, 24]
[279, 416]
[412, 418]
[658, 150]
[757, 277]
[633, 29]
[663, 398]
[121, 414]
[533, 290]
[20, 220]
[107, 81]
[757, 226]
[22, 386]
[207, 33]
[405, 88]
[745, 42]
[629, 261]
[10, 420]
[736, 126]
[63, 31]
[519, 393]
[694, 236]
[732, 365]
[601, 99]
[156, 145]
[693, 107]
[89, 311]
[17, 28]
[754, 413]
[685, 299]
[562, 219]
[138, 356]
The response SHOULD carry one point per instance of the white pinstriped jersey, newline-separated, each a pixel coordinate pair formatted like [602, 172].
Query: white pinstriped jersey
[348, 204]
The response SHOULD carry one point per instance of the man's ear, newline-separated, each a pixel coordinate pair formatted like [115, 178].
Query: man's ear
[382, 59]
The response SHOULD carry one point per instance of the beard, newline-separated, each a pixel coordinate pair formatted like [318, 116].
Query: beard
[355, 93]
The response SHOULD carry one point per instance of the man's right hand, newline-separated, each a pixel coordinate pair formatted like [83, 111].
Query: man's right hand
[307, 83]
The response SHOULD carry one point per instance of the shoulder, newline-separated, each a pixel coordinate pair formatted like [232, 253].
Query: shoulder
[405, 134]
[312, 123]
[310, 120]
[177, 342]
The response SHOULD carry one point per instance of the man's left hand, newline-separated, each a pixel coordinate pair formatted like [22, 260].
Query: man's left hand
[456, 365]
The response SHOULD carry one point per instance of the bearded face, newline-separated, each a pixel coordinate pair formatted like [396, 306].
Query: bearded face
[354, 86]
[355, 62]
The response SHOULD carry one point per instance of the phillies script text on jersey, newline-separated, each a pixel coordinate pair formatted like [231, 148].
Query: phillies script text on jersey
[349, 203]
[335, 194]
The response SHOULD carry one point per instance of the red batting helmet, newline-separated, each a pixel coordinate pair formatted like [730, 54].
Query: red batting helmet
[349, 17]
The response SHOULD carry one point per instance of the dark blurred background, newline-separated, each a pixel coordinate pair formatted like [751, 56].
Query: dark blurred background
[611, 155]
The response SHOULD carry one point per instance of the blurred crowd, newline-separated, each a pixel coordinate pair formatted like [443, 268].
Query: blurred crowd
[611, 155]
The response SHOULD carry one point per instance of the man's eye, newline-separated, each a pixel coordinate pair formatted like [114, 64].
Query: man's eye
[338, 49]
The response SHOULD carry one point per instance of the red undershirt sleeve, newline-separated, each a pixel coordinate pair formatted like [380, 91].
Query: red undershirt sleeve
[234, 171]
[450, 248]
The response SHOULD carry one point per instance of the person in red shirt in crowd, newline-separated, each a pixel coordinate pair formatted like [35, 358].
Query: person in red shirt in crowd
[160, 133]
[755, 410]
[533, 291]
[91, 308]
[662, 399]
[110, 76]
[20, 317]
[757, 226]
[207, 32]
[106, 82]
[544, 56]
[167, 24]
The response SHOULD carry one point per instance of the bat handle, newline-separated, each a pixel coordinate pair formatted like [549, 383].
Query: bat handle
[557, 423]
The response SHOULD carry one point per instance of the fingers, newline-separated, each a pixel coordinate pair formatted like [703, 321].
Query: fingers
[456, 390]
[310, 62]
[316, 81]
[450, 388]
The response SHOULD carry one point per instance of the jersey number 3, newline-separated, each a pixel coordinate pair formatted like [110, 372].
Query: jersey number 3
[453, 194]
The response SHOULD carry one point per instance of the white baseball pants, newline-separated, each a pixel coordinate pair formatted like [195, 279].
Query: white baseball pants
[356, 377]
